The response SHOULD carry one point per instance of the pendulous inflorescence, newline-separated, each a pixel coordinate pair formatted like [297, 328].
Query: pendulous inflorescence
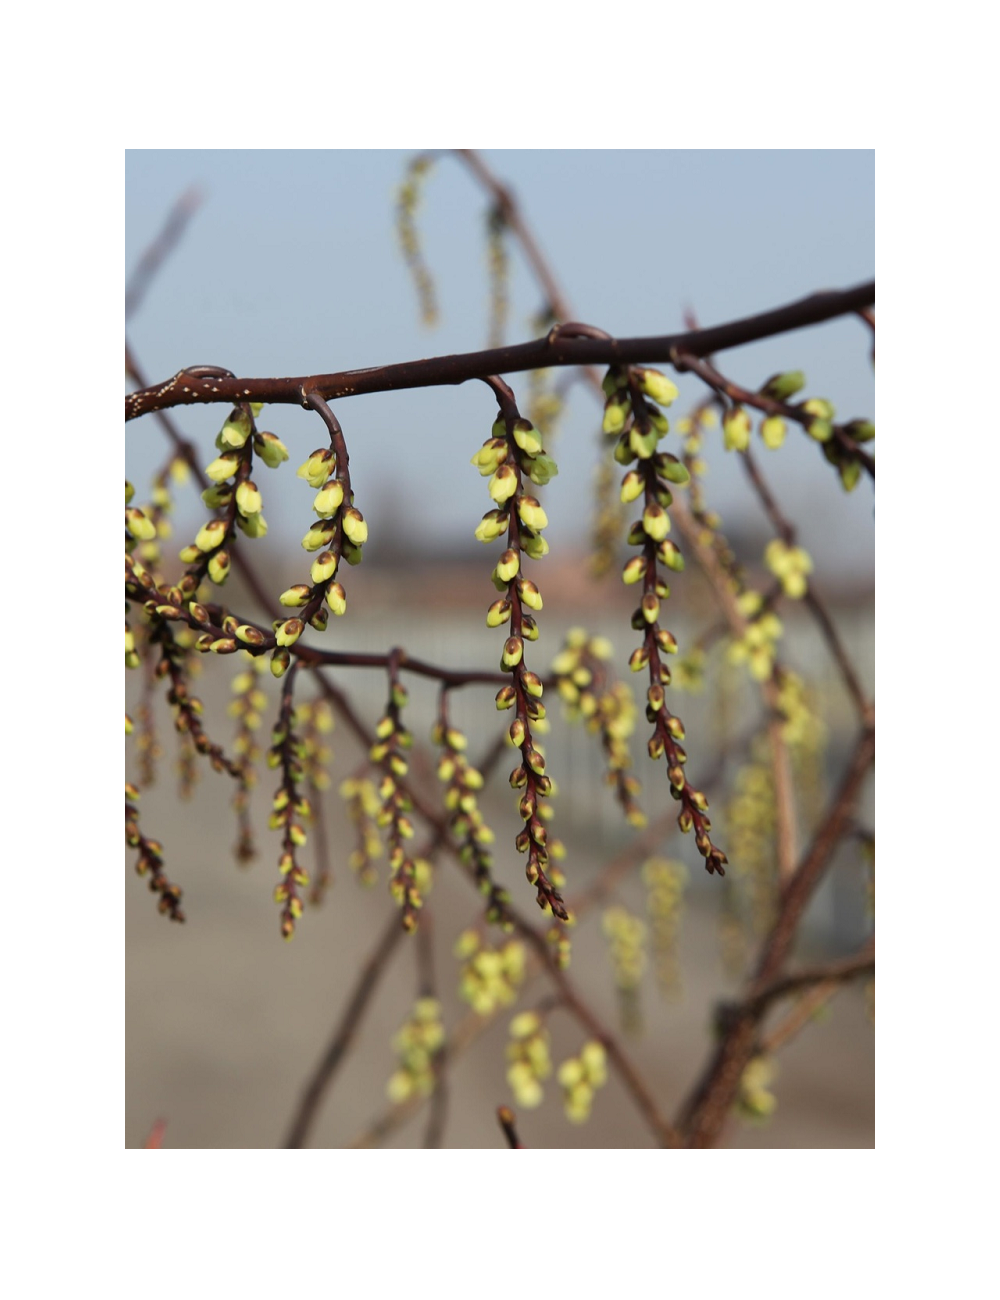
[511, 455]
[631, 413]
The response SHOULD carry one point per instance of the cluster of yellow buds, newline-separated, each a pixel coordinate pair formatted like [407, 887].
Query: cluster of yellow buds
[607, 707]
[391, 739]
[580, 1077]
[751, 829]
[233, 492]
[247, 708]
[631, 413]
[791, 565]
[758, 647]
[626, 936]
[417, 1044]
[665, 881]
[363, 807]
[490, 977]
[513, 453]
[150, 859]
[290, 809]
[755, 1101]
[529, 1062]
[462, 782]
[407, 202]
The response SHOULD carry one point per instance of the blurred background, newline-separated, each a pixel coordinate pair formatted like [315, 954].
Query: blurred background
[291, 265]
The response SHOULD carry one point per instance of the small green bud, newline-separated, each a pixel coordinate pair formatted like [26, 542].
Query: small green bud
[666, 641]
[529, 594]
[541, 469]
[534, 545]
[782, 386]
[270, 449]
[650, 607]
[250, 635]
[623, 452]
[638, 659]
[252, 525]
[669, 555]
[219, 496]
[673, 470]
[329, 498]
[643, 444]
[506, 698]
[821, 430]
[279, 663]
[850, 473]
[296, 596]
[860, 430]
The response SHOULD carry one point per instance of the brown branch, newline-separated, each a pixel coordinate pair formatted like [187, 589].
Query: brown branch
[704, 1112]
[835, 972]
[161, 247]
[188, 387]
[367, 982]
[508, 1122]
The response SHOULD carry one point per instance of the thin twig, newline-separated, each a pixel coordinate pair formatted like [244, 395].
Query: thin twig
[508, 1122]
[161, 247]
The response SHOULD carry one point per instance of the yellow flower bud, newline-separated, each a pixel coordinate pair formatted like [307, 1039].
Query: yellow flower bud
[657, 386]
[296, 596]
[655, 521]
[270, 449]
[531, 513]
[248, 499]
[329, 499]
[222, 467]
[210, 535]
[288, 633]
[493, 524]
[508, 565]
[318, 536]
[529, 594]
[632, 486]
[503, 484]
[141, 527]
[336, 598]
[318, 467]
[355, 527]
[323, 567]
[236, 430]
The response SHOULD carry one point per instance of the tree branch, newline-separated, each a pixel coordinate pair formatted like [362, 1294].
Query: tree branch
[188, 387]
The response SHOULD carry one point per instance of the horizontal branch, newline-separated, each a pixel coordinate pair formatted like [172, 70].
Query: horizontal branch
[212, 385]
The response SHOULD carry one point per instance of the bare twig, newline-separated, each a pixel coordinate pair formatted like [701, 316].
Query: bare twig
[508, 1122]
[157, 253]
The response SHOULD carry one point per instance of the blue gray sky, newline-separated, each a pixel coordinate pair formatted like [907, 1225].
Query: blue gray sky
[291, 266]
